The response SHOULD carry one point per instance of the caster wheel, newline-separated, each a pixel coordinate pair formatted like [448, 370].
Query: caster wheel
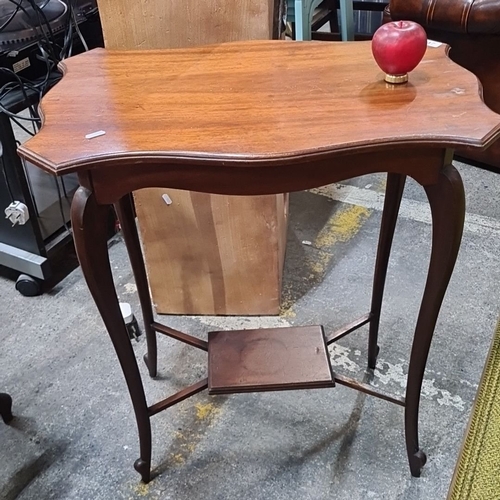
[28, 286]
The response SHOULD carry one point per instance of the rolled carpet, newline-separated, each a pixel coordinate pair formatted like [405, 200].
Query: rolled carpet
[477, 474]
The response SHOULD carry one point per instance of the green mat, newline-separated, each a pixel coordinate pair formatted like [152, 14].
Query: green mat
[477, 475]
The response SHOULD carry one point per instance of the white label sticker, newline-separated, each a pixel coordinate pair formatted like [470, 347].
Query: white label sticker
[20, 65]
[95, 134]
[433, 43]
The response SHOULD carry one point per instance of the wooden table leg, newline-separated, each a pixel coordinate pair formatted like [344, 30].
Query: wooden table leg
[126, 215]
[90, 235]
[447, 201]
[393, 194]
[6, 407]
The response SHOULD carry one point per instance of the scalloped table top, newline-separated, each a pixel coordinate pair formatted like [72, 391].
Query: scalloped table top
[262, 102]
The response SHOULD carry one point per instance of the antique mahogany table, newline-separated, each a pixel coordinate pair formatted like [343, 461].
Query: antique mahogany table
[258, 118]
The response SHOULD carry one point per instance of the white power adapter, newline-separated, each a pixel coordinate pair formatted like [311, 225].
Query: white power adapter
[17, 212]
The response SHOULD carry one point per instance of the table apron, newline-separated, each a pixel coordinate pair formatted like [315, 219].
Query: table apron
[250, 179]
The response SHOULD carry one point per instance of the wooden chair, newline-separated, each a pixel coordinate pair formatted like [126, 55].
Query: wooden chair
[300, 13]
[308, 16]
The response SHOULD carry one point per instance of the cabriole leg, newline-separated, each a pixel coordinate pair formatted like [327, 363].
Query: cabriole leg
[393, 194]
[447, 203]
[126, 215]
[90, 235]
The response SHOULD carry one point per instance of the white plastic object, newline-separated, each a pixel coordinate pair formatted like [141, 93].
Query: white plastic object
[92, 135]
[17, 212]
[126, 310]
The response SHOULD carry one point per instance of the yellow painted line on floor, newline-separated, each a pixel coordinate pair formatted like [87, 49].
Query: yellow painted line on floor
[199, 417]
[287, 302]
[340, 228]
[141, 490]
[206, 411]
[418, 211]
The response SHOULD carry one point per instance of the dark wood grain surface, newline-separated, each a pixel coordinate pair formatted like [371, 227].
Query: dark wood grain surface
[268, 359]
[251, 101]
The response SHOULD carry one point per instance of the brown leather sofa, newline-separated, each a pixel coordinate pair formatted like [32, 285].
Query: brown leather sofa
[472, 29]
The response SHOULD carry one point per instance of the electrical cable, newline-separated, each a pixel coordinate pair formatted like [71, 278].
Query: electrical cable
[16, 116]
[20, 6]
[61, 208]
[21, 126]
[77, 29]
[51, 52]
[5, 176]
[7, 183]
[30, 185]
[34, 114]
[11, 18]
[41, 14]
[37, 28]
[68, 36]
[23, 86]
[63, 185]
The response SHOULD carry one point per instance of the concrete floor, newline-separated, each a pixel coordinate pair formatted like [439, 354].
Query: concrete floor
[74, 435]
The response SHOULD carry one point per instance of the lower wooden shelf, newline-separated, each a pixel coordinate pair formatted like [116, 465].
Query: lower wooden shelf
[271, 359]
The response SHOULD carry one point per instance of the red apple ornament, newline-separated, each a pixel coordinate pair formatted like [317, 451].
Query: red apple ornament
[398, 47]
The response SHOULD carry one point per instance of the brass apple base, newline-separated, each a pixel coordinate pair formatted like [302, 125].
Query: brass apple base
[396, 78]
